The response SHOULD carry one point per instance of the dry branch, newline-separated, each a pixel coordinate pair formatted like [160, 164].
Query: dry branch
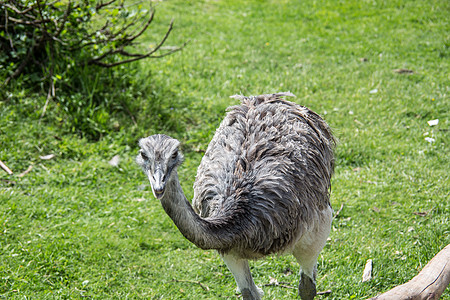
[204, 287]
[28, 170]
[429, 284]
[5, 167]
[97, 61]
[339, 211]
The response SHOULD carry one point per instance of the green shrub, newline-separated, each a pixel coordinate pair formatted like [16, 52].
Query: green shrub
[67, 50]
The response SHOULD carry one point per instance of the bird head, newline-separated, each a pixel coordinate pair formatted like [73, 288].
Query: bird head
[158, 157]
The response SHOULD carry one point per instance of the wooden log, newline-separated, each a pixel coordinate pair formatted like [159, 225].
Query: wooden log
[429, 284]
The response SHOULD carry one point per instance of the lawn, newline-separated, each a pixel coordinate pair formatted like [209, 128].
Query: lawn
[74, 226]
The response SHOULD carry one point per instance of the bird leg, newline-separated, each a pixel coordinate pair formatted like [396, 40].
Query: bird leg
[307, 250]
[306, 287]
[308, 271]
[241, 272]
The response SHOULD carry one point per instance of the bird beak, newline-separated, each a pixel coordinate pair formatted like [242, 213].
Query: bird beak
[157, 183]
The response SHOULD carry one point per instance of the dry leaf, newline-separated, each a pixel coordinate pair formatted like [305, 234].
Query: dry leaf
[367, 273]
[114, 161]
[433, 122]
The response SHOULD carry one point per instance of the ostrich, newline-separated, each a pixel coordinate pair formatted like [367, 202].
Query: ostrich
[262, 187]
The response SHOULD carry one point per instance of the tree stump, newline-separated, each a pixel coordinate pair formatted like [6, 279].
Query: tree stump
[429, 284]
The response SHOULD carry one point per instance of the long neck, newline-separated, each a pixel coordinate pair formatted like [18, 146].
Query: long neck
[204, 233]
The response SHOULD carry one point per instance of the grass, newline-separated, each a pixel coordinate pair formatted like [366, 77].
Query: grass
[76, 227]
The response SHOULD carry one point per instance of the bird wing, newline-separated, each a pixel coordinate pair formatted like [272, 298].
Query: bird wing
[271, 161]
[265, 139]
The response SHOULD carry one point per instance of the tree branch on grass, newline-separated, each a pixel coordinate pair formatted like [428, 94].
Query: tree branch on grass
[429, 284]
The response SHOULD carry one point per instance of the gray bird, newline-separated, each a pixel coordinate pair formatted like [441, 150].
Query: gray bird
[262, 187]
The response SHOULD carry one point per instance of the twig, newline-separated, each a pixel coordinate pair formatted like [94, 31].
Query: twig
[5, 167]
[89, 36]
[204, 287]
[17, 21]
[63, 24]
[101, 4]
[50, 94]
[358, 122]
[126, 41]
[129, 113]
[132, 38]
[280, 285]
[274, 282]
[96, 61]
[20, 68]
[51, 88]
[337, 213]
[327, 292]
[26, 171]
[15, 9]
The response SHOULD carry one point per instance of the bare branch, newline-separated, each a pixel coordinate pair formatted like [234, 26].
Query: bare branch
[430, 283]
[20, 68]
[16, 10]
[5, 167]
[148, 55]
[17, 21]
[87, 37]
[146, 26]
[66, 14]
[101, 4]
[6, 30]
[51, 3]
[28, 170]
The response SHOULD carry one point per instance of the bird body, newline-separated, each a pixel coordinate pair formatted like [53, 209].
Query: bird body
[262, 187]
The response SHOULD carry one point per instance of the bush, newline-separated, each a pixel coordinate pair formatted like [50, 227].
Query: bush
[65, 50]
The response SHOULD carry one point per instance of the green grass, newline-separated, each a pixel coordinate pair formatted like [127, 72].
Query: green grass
[75, 227]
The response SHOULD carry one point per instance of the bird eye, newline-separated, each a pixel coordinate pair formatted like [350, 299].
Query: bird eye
[174, 155]
[144, 156]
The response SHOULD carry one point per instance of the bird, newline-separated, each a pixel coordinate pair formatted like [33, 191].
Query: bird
[263, 187]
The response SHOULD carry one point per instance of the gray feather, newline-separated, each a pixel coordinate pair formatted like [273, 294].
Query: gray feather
[262, 186]
[273, 157]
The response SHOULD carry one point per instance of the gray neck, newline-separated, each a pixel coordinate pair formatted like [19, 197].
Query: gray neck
[204, 233]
